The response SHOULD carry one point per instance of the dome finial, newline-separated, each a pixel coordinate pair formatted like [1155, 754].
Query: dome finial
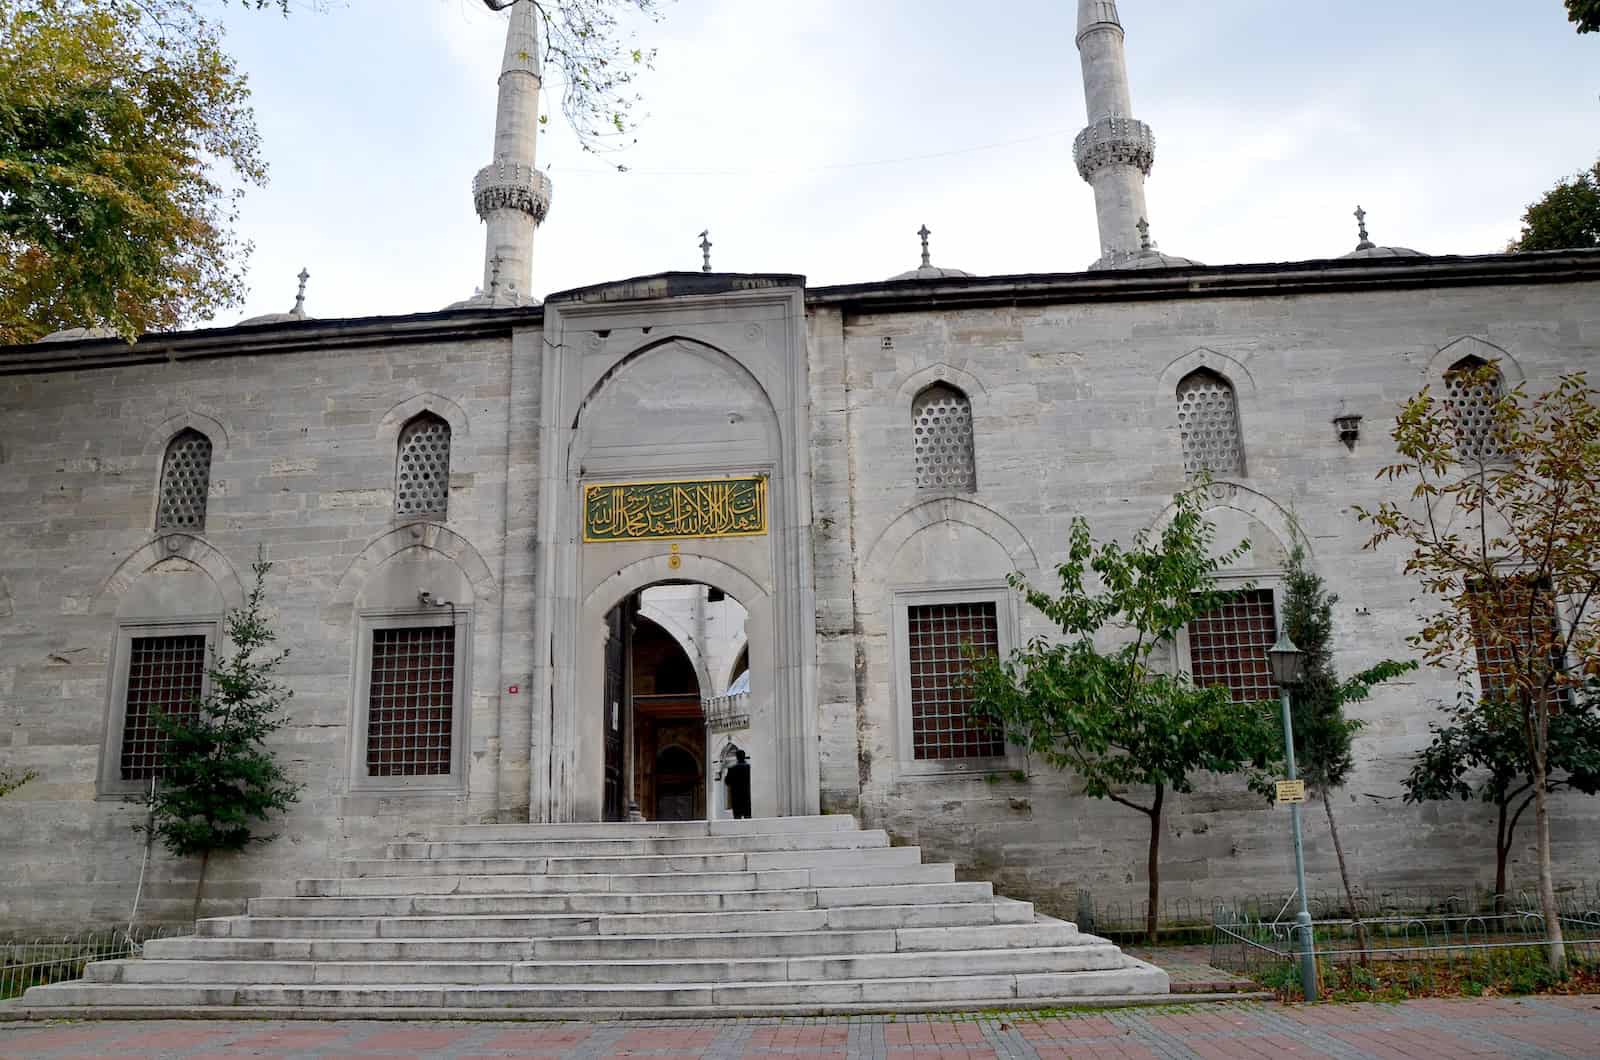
[299, 309]
[927, 259]
[705, 250]
[1144, 235]
[1361, 229]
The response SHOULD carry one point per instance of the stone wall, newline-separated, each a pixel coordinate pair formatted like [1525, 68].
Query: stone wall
[1075, 414]
[303, 467]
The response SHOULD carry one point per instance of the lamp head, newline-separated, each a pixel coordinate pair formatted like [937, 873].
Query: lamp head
[1287, 661]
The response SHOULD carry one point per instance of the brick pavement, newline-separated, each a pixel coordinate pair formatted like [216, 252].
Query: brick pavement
[1418, 1030]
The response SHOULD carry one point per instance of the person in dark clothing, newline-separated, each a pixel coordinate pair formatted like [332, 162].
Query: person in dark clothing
[738, 781]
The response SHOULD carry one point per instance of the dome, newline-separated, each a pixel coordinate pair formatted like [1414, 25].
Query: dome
[295, 314]
[1146, 257]
[501, 299]
[1155, 259]
[1366, 248]
[928, 270]
[80, 334]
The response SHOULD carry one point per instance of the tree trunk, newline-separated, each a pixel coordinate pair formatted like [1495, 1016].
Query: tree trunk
[1153, 866]
[200, 885]
[1547, 889]
[1502, 852]
[1344, 876]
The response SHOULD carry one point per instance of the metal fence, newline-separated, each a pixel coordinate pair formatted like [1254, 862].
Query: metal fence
[1192, 917]
[1457, 937]
[57, 958]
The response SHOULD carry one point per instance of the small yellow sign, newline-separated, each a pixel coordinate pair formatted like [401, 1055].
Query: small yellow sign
[1291, 791]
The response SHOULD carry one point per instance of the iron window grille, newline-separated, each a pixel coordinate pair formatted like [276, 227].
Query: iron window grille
[166, 675]
[1228, 646]
[942, 726]
[411, 702]
[1494, 656]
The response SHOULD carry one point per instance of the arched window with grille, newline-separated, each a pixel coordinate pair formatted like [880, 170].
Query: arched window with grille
[941, 427]
[422, 468]
[1471, 394]
[1208, 424]
[185, 482]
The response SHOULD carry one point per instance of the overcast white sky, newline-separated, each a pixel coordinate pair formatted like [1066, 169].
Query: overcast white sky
[792, 130]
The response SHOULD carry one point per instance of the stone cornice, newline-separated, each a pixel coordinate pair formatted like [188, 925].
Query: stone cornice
[268, 339]
[1217, 281]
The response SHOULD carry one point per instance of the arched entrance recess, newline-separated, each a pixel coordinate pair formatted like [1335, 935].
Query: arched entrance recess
[716, 391]
[760, 742]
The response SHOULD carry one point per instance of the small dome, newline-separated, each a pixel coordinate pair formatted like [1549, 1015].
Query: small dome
[501, 299]
[80, 334]
[1146, 257]
[1366, 248]
[928, 270]
[297, 313]
[1155, 259]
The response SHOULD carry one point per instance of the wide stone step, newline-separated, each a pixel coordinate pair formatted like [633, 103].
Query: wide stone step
[1041, 932]
[827, 822]
[638, 883]
[1134, 977]
[509, 845]
[944, 890]
[632, 866]
[627, 972]
[841, 917]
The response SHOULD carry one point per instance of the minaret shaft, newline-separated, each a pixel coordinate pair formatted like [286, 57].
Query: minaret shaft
[510, 194]
[1115, 152]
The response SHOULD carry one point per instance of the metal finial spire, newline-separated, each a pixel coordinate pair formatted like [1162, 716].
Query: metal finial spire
[924, 233]
[1361, 230]
[705, 250]
[1144, 235]
[300, 294]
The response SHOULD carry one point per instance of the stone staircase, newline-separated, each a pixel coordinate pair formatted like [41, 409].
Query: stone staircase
[793, 915]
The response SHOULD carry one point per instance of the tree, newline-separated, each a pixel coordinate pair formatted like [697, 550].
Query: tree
[1113, 715]
[1502, 527]
[1567, 216]
[11, 780]
[218, 778]
[114, 115]
[1586, 14]
[1323, 736]
[583, 41]
[1482, 754]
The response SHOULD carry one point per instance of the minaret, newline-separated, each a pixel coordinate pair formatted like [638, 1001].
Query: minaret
[1115, 152]
[511, 195]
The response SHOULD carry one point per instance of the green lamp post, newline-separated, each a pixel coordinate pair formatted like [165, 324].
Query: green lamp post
[1288, 667]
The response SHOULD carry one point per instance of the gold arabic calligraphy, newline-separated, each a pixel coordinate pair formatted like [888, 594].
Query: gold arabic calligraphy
[646, 511]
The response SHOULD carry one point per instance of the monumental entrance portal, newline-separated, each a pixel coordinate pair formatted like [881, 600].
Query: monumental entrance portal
[674, 450]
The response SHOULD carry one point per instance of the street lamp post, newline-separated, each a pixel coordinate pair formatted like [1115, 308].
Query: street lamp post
[1288, 667]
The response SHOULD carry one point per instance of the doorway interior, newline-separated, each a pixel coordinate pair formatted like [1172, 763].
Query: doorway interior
[669, 648]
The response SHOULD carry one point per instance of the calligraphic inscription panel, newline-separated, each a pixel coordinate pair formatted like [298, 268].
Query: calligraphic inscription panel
[654, 511]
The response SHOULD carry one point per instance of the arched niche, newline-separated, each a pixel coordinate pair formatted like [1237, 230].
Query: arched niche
[174, 575]
[1242, 514]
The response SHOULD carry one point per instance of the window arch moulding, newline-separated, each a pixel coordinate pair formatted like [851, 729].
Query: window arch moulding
[1471, 346]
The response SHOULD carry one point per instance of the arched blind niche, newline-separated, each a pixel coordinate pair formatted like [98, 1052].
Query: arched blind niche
[941, 427]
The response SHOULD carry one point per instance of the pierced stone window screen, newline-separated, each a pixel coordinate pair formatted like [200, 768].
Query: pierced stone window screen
[1496, 663]
[411, 702]
[185, 482]
[941, 727]
[165, 674]
[1208, 424]
[941, 427]
[1228, 646]
[422, 471]
[1471, 403]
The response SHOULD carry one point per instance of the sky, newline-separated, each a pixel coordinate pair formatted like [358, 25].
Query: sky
[816, 137]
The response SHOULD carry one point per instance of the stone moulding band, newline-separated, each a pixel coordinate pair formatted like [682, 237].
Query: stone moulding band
[657, 511]
[1112, 142]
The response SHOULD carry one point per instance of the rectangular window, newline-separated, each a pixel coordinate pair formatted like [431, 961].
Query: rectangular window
[411, 702]
[166, 674]
[1228, 646]
[938, 636]
[1494, 657]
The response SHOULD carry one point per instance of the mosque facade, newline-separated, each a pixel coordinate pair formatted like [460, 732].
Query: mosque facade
[562, 561]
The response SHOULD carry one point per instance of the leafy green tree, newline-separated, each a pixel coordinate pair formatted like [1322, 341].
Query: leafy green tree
[1586, 14]
[1323, 736]
[11, 780]
[1566, 217]
[219, 780]
[1115, 715]
[115, 116]
[1481, 754]
[1502, 528]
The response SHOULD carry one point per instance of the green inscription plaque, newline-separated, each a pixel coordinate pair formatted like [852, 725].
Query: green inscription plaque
[652, 511]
